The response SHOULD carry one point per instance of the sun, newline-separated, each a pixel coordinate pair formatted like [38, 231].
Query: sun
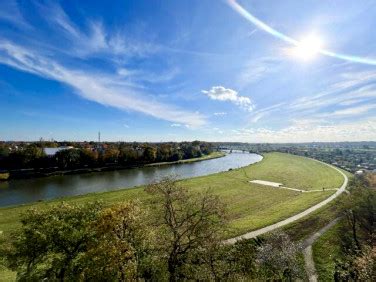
[307, 48]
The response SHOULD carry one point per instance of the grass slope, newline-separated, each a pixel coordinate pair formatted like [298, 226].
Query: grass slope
[250, 206]
[325, 251]
[213, 155]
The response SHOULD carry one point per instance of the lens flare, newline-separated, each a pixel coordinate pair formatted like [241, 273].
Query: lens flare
[307, 48]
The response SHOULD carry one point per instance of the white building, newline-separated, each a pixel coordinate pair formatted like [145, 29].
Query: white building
[52, 151]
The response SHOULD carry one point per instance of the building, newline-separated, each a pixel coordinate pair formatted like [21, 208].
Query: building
[50, 152]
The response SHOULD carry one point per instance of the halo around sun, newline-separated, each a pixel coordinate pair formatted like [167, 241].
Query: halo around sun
[307, 48]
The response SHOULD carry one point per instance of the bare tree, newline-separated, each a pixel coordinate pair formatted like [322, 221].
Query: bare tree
[188, 222]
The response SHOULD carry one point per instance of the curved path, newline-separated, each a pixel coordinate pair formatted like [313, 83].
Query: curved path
[296, 217]
[307, 250]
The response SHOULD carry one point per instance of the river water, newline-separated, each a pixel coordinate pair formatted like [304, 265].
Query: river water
[21, 191]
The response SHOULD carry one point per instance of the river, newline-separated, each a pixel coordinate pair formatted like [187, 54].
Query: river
[22, 191]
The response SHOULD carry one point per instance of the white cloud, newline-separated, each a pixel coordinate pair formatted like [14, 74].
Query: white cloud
[99, 87]
[176, 125]
[220, 114]
[352, 111]
[11, 13]
[266, 111]
[256, 69]
[347, 86]
[92, 39]
[308, 131]
[221, 93]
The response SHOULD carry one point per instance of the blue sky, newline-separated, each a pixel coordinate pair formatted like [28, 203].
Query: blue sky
[186, 70]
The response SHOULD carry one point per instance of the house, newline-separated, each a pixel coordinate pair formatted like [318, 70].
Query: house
[50, 152]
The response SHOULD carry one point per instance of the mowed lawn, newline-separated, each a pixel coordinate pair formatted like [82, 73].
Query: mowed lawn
[250, 206]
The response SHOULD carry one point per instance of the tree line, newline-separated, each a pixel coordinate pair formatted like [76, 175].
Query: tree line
[90, 154]
[357, 233]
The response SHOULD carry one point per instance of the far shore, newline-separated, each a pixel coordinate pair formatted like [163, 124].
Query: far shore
[32, 173]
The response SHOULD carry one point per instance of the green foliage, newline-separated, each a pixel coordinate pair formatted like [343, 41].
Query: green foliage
[179, 238]
[150, 154]
[50, 243]
[347, 251]
[122, 249]
[67, 159]
[97, 155]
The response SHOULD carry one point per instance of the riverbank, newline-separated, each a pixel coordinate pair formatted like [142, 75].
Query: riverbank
[250, 206]
[32, 173]
[214, 155]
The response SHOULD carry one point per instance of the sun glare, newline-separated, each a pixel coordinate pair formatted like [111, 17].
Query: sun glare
[307, 48]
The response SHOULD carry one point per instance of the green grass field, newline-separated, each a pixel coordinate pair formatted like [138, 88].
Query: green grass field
[213, 155]
[325, 251]
[250, 206]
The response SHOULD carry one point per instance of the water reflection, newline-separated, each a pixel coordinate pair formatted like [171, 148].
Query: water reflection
[22, 191]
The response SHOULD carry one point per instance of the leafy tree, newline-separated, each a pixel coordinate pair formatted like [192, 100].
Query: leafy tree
[150, 154]
[4, 151]
[122, 250]
[88, 157]
[219, 261]
[67, 159]
[127, 155]
[111, 155]
[50, 243]
[176, 156]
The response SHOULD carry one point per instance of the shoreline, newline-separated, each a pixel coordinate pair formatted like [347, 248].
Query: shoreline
[30, 174]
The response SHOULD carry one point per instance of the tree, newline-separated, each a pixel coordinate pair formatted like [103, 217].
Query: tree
[150, 154]
[69, 158]
[360, 211]
[187, 223]
[278, 258]
[365, 265]
[358, 234]
[122, 250]
[127, 155]
[223, 262]
[50, 242]
[111, 155]
[89, 157]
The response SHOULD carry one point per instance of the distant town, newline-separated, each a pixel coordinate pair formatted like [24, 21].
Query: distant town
[356, 157]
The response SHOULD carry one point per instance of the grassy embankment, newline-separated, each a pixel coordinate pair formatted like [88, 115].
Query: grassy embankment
[213, 155]
[325, 252]
[330, 243]
[250, 206]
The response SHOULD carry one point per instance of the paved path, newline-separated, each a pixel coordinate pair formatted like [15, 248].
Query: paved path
[307, 251]
[296, 217]
[280, 186]
[309, 191]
